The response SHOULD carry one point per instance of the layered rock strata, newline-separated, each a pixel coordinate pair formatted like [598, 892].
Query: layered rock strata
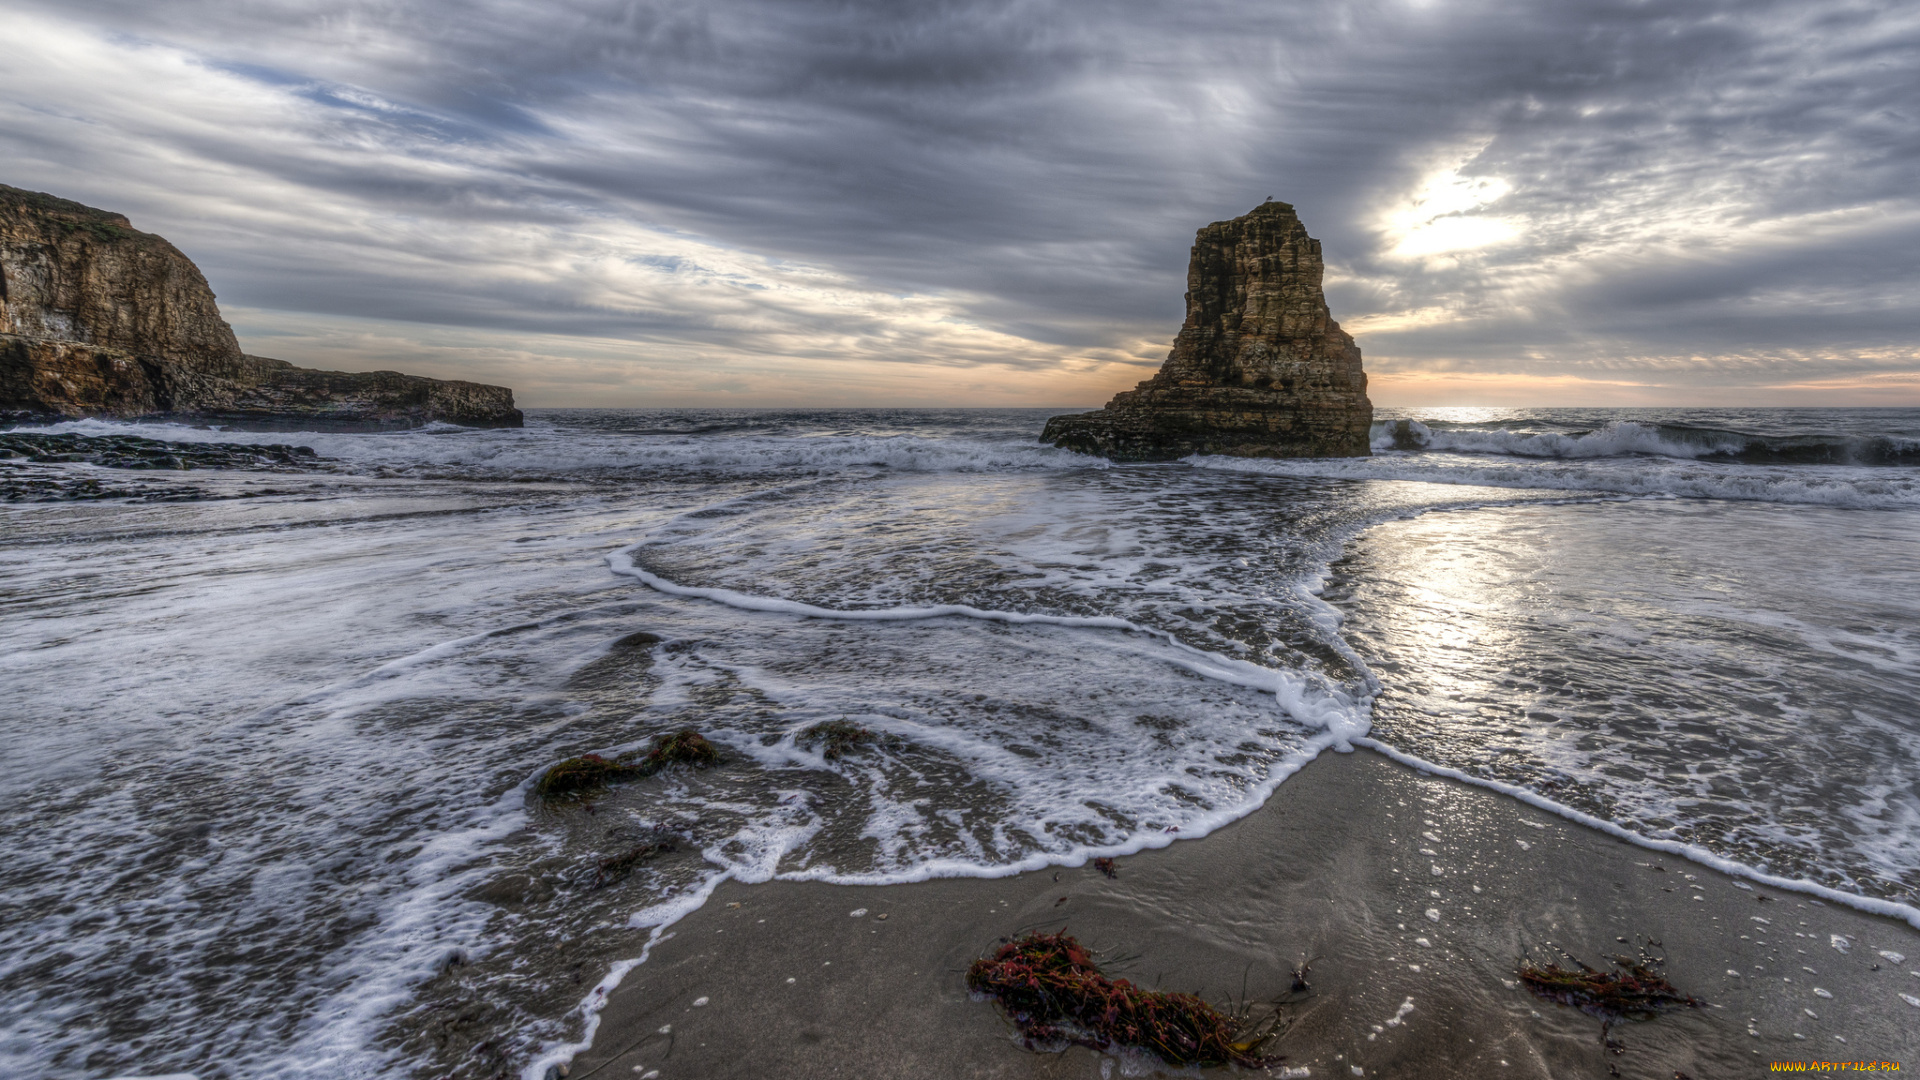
[1259, 369]
[100, 319]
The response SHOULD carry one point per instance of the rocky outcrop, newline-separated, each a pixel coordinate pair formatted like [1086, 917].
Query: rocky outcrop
[1260, 369]
[133, 452]
[100, 319]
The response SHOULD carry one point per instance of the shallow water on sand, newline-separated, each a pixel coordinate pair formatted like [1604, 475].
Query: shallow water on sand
[1741, 676]
[269, 757]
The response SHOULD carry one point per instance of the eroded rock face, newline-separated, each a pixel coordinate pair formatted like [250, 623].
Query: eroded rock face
[100, 319]
[1260, 369]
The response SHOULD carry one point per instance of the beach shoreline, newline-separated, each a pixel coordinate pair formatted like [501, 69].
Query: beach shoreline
[435, 622]
[1414, 896]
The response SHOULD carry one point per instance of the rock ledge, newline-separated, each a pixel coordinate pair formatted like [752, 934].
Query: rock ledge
[100, 319]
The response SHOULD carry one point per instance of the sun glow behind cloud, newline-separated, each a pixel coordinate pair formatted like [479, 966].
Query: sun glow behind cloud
[1442, 216]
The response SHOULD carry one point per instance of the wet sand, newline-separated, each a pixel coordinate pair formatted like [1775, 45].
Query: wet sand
[1365, 866]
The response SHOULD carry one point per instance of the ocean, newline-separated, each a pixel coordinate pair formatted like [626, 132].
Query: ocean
[272, 735]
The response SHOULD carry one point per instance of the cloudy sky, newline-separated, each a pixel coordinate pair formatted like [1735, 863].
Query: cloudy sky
[774, 202]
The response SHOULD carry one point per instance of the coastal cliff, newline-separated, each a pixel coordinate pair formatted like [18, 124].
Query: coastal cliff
[1259, 369]
[100, 319]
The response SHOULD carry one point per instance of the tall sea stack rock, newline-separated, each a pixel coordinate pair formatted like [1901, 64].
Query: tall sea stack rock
[1260, 369]
[100, 319]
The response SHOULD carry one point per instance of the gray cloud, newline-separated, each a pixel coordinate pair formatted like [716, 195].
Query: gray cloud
[1596, 185]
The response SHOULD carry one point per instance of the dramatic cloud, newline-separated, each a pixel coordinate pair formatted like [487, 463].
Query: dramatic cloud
[744, 202]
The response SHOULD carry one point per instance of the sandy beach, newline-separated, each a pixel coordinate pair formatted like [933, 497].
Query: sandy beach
[1414, 897]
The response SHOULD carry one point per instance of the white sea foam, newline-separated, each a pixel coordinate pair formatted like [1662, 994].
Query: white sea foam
[1309, 700]
[320, 668]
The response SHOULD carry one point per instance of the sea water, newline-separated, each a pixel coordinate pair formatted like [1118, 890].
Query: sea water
[271, 737]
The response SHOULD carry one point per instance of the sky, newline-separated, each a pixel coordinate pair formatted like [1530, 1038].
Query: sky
[766, 203]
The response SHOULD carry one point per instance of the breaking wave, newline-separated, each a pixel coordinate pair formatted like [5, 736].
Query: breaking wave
[1630, 438]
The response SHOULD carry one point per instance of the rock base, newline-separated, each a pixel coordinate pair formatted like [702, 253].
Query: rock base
[1145, 425]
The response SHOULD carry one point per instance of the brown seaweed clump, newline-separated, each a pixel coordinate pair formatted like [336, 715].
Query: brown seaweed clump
[584, 773]
[1053, 991]
[590, 771]
[840, 736]
[687, 747]
[1637, 993]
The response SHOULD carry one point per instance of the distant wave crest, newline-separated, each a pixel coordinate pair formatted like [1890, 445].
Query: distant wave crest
[1631, 438]
[546, 453]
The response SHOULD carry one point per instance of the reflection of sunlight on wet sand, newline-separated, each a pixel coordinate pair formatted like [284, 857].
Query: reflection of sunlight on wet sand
[1718, 673]
[1450, 620]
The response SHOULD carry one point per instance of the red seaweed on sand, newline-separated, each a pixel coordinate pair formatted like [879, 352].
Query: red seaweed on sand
[1636, 993]
[1053, 992]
